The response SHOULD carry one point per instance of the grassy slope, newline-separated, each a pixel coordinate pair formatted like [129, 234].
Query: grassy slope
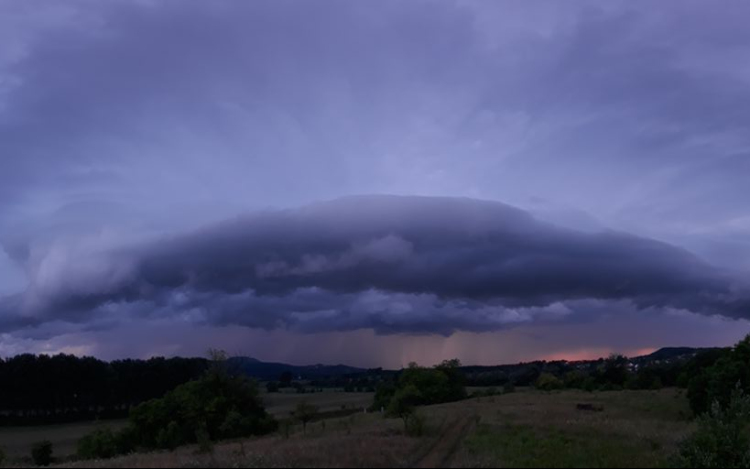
[636, 429]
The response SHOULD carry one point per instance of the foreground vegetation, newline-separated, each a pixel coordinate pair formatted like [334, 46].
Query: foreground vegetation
[522, 429]
[589, 417]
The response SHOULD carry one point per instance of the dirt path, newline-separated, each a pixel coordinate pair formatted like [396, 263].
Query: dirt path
[445, 447]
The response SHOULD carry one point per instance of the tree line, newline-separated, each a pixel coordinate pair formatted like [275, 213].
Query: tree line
[41, 389]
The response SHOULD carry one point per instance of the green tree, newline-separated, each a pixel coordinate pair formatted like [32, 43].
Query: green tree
[207, 402]
[404, 403]
[100, 444]
[614, 372]
[456, 381]
[383, 395]
[443, 383]
[548, 382]
[575, 379]
[721, 440]
[305, 412]
[716, 374]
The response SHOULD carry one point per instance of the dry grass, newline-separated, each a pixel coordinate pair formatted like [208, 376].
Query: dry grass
[524, 429]
[356, 441]
[532, 429]
[281, 404]
[17, 441]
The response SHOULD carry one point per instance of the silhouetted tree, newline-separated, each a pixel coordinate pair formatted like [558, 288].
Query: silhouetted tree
[305, 412]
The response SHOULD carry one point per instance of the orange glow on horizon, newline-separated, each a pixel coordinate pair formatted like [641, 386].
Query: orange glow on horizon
[593, 354]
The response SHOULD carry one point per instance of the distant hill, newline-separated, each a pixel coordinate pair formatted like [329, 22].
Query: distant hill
[271, 371]
[669, 353]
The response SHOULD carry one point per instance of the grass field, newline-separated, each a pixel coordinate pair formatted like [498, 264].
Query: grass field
[532, 429]
[281, 404]
[16, 442]
[523, 429]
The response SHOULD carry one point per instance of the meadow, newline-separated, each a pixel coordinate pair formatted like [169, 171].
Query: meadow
[16, 441]
[528, 428]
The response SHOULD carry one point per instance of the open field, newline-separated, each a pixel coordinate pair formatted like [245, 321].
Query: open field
[523, 429]
[281, 404]
[17, 441]
[531, 429]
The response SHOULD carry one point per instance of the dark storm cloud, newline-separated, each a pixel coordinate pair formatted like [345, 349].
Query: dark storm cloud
[124, 120]
[388, 263]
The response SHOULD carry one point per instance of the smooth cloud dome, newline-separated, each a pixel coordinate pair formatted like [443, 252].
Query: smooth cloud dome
[389, 263]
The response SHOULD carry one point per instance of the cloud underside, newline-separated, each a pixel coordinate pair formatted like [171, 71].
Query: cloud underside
[388, 263]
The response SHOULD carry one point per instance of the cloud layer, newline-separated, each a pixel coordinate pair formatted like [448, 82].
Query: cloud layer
[394, 264]
[125, 125]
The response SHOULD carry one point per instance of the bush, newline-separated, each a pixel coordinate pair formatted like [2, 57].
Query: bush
[205, 445]
[416, 425]
[228, 407]
[383, 395]
[589, 384]
[126, 440]
[100, 444]
[574, 379]
[548, 382]
[170, 437]
[715, 374]
[722, 437]
[509, 387]
[2, 457]
[41, 453]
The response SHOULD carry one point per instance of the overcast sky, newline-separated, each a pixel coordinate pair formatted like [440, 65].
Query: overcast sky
[373, 182]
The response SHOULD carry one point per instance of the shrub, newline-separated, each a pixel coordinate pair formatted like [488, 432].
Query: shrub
[721, 439]
[383, 395]
[589, 384]
[715, 374]
[548, 382]
[574, 379]
[2, 457]
[416, 425]
[205, 445]
[170, 437]
[99, 444]
[228, 407]
[126, 440]
[41, 453]
[509, 387]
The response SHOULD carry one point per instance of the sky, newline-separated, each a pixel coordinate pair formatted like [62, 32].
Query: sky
[373, 183]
